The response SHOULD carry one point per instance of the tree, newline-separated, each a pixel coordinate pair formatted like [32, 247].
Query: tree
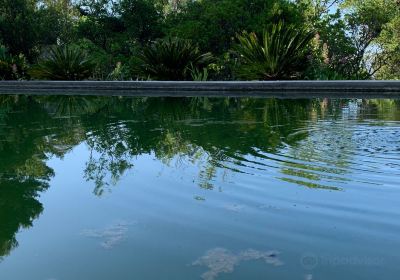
[213, 24]
[57, 19]
[27, 25]
[350, 31]
[18, 26]
[390, 42]
[366, 19]
[141, 19]
[99, 23]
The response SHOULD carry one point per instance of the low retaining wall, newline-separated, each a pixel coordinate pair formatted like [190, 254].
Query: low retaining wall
[280, 89]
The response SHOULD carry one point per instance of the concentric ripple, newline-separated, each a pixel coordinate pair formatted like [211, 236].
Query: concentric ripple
[165, 188]
[332, 155]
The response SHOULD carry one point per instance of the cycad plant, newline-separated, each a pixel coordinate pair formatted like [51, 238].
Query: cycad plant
[64, 63]
[171, 59]
[279, 53]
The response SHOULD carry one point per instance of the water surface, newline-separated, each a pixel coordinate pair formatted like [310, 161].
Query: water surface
[198, 188]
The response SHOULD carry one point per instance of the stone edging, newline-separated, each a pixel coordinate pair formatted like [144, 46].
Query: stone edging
[281, 89]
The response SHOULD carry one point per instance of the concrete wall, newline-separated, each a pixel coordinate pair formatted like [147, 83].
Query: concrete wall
[280, 89]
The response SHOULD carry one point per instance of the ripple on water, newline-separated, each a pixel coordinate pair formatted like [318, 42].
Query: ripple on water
[332, 155]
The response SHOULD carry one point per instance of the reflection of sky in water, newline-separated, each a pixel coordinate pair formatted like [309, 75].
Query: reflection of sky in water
[327, 186]
[153, 197]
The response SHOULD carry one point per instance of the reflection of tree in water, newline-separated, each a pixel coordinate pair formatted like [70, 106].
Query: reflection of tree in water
[28, 136]
[108, 160]
[382, 109]
[321, 155]
[18, 208]
[215, 135]
[327, 151]
[208, 133]
[202, 131]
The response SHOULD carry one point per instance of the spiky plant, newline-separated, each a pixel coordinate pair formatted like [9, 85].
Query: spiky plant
[171, 59]
[66, 63]
[199, 75]
[277, 55]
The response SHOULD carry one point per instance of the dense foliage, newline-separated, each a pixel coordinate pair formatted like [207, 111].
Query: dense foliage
[63, 63]
[11, 67]
[171, 59]
[279, 54]
[352, 39]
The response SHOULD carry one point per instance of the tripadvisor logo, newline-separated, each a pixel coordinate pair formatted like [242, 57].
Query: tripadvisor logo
[309, 261]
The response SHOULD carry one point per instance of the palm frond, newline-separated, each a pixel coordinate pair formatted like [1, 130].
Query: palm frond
[63, 63]
[276, 56]
[171, 59]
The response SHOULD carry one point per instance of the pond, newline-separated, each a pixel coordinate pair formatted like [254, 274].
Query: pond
[198, 188]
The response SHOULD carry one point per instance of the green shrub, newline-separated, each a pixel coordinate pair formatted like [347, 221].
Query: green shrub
[119, 73]
[5, 70]
[199, 75]
[223, 68]
[103, 61]
[171, 59]
[12, 67]
[322, 72]
[280, 53]
[63, 63]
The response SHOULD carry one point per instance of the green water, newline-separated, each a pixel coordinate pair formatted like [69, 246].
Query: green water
[197, 188]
